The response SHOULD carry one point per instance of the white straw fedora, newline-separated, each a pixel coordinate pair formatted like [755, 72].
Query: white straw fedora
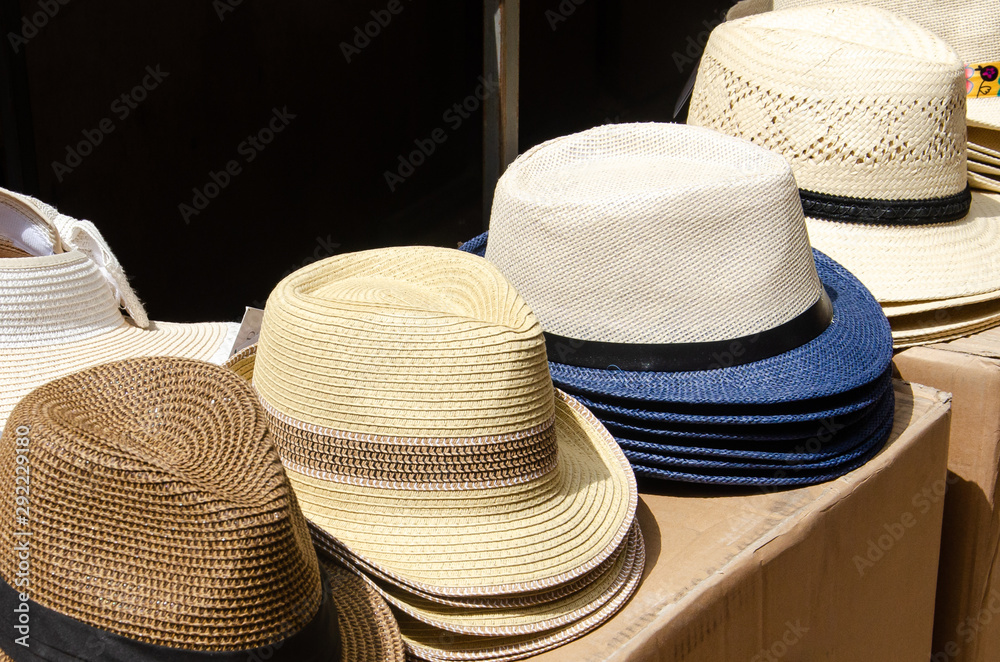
[62, 293]
[869, 109]
[409, 394]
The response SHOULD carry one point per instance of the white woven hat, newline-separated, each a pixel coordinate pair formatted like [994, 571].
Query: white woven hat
[971, 27]
[869, 109]
[62, 292]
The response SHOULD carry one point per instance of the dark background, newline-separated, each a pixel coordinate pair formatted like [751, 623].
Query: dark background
[319, 186]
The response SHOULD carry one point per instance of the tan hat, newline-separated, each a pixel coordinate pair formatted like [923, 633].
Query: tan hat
[869, 109]
[154, 522]
[971, 27]
[62, 293]
[409, 394]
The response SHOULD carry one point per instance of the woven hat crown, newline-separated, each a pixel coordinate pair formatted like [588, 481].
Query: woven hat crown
[159, 509]
[414, 342]
[862, 103]
[653, 233]
[971, 27]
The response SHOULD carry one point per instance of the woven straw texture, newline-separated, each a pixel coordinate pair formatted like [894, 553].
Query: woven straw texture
[159, 508]
[863, 104]
[424, 372]
[574, 219]
[866, 104]
[425, 642]
[971, 27]
[59, 312]
[368, 630]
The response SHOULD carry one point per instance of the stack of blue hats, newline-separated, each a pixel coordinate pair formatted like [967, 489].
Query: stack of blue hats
[671, 271]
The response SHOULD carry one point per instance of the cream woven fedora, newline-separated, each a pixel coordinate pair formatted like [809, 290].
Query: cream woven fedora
[971, 27]
[154, 523]
[869, 109]
[409, 394]
[62, 292]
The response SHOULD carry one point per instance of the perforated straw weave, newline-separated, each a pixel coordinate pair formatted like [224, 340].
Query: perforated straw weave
[159, 510]
[868, 105]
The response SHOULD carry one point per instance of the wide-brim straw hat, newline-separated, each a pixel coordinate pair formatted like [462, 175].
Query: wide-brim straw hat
[411, 402]
[869, 109]
[160, 525]
[62, 292]
[850, 354]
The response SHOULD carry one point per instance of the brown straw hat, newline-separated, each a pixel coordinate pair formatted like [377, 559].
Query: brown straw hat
[153, 521]
[409, 395]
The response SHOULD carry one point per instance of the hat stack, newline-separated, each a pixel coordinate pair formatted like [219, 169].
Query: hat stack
[410, 399]
[153, 522]
[671, 271]
[972, 28]
[62, 293]
[870, 110]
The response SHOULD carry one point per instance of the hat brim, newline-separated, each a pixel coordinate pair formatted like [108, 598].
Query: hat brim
[983, 182]
[983, 113]
[893, 310]
[852, 352]
[496, 541]
[833, 439]
[955, 259]
[956, 321]
[797, 412]
[425, 642]
[515, 620]
[368, 630]
[845, 446]
[777, 478]
[24, 369]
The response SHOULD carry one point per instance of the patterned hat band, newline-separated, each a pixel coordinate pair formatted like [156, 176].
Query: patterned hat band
[871, 211]
[413, 463]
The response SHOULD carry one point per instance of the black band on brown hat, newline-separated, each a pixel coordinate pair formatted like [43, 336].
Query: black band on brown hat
[49, 636]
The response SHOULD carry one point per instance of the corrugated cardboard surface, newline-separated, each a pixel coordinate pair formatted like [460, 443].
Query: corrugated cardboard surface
[840, 571]
[967, 621]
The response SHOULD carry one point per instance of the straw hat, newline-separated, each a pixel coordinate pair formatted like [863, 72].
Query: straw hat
[157, 524]
[869, 108]
[971, 27]
[62, 292]
[409, 395]
[640, 241]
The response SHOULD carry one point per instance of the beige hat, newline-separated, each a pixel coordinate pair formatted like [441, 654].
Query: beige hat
[868, 107]
[971, 27]
[62, 293]
[409, 394]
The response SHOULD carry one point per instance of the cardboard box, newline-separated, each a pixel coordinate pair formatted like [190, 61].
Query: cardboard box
[967, 622]
[840, 571]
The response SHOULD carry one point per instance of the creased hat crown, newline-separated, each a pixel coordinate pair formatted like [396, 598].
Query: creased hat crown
[158, 508]
[653, 233]
[403, 342]
[864, 104]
